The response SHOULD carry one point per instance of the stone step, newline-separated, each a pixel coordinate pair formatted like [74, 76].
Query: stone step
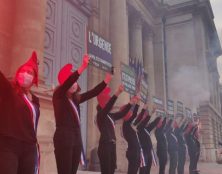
[205, 168]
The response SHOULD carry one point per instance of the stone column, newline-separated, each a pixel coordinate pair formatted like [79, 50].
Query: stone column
[119, 39]
[148, 61]
[28, 31]
[136, 44]
[6, 25]
[159, 67]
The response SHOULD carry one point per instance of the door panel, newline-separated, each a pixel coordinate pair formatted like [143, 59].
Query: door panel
[65, 43]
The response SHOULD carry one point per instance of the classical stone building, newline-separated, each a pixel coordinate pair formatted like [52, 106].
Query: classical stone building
[176, 41]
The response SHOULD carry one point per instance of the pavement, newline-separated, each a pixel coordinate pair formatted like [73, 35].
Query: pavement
[205, 168]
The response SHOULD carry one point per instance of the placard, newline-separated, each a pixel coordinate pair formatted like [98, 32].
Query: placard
[159, 106]
[144, 88]
[100, 51]
[128, 78]
[170, 107]
[179, 108]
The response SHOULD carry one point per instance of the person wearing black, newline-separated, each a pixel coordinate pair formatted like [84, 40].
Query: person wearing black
[172, 147]
[106, 124]
[191, 146]
[133, 150]
[146, 142]
[195, 137]
[19, 115]
[181, 147]
[66, 101]
[161, 145]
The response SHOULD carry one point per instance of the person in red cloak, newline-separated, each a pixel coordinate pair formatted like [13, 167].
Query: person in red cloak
[66, 101]
[19, 115]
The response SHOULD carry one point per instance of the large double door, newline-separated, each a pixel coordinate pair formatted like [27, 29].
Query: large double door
[65, 43]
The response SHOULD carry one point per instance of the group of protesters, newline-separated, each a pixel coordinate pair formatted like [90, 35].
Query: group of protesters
[20, 111]
[174, 137]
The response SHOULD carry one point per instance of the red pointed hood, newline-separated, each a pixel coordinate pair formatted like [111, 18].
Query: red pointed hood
[64, 73]
[104, 97]
[129, 113]
[32, 62]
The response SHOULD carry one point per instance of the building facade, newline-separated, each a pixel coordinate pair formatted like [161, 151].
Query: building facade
[175, 40]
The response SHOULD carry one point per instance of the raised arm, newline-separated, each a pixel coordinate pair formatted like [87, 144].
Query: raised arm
[139, 117]
[112, 101]
[135, 110]
[108, 106]
[183, 125]
[143, 123]
[163, 124]
[168, 125]
[63, 88]
[153, 124]
[122, 113]
[96, 91]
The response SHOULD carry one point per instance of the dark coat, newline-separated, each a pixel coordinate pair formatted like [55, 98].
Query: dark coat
[161, 137]
[171, 138]
[15, 117]
[106, 120]
[67, 123]
[129, 133]
[144, 132]
[180, 137]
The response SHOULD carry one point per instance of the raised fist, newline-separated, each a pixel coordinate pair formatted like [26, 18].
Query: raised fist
[134, 99]
[120, 90]
[86, 60]
[108, 78]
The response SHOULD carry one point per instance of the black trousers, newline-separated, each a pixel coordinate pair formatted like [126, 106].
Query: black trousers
[67, 158]
[162, 156]
[17, 157]
[107, 157]
[181, 159]
[148, 160]
[173, 155]
[194, 154]
[191, 153]
[133, 157]
[197, 154]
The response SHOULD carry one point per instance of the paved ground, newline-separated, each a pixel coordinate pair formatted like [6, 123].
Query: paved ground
[205, 168]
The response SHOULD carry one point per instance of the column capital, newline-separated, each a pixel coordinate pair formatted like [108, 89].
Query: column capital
[148, 34]
[136, 21]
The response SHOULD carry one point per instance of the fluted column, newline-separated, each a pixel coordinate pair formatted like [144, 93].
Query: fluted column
[136, 47]
[148, 60]
[119, 38]
[120, 46]
[28, 31]
[6, 25]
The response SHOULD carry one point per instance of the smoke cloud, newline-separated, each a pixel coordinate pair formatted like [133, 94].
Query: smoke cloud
[187, 84]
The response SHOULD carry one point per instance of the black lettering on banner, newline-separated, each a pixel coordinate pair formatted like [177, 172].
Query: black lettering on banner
[100, 52]
[159, 106]
[128, 79]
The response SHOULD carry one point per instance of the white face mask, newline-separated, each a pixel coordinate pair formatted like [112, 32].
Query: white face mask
[73, 88]
[25, 79]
